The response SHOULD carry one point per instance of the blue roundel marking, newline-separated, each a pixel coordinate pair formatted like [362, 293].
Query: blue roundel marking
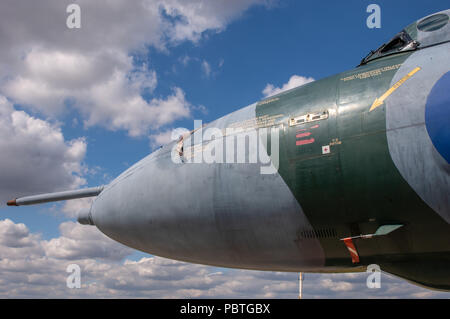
[437, 116]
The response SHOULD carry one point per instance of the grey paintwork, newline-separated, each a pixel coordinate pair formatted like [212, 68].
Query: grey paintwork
[410, 146]
[52, 197]
[220, 214]
[436, 36]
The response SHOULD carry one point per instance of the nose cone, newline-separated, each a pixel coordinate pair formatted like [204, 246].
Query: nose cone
[85, 217]
[140, 208]
[115, 212]
[437, 116]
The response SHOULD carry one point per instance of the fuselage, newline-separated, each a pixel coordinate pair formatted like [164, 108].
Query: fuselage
[345, 165]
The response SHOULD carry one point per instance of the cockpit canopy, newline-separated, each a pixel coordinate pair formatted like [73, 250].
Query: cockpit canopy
[431, 30]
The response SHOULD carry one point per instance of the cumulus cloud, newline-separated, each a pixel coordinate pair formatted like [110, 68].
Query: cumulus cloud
[16, 235]
[101, 70]
[71, 208]
[106, 89]
[81, 242]
[197, 16]
[33, 267]
[45, 66]
[161, 138]
[35, 155]
[294, 81]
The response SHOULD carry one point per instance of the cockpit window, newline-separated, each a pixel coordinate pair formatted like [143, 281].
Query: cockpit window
[396, 44]
[401, 42]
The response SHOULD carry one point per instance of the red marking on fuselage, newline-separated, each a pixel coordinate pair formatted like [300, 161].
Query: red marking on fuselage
[315, 126]
[351, 249]
[303, 134]
[303, 142]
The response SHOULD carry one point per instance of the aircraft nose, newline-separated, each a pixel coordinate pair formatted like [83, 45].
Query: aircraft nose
[133, 209]
[437, 116]
[84, 217]
[109, 214]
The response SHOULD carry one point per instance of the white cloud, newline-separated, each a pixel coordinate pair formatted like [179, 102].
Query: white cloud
[43, 64]
[185, 60]
[35, 156]
[294, 81]
[198, 16]
[206, 68]
[33, 267]
[336, 286]
[161, 138]
[83, 242]
[108, 97]
[165, 137]
[70, 208]
[16, 235]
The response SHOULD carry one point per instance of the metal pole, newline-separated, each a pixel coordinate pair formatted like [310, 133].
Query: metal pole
[300, 285]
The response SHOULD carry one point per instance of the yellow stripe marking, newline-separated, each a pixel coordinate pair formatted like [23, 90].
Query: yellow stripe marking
[379, 101]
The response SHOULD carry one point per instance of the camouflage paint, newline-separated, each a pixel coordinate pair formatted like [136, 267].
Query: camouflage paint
[368, 181]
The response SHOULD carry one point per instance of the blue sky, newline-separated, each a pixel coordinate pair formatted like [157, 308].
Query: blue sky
[220, 59]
